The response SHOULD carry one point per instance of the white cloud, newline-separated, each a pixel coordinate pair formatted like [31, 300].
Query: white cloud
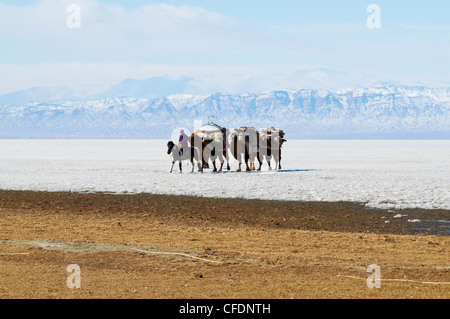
[110, 31]
[113, 43]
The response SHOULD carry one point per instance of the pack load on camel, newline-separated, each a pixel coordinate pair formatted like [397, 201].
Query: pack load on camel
[211, 132]
[272, 132]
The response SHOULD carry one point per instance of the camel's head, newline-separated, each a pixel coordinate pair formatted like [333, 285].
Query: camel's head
[282, 141]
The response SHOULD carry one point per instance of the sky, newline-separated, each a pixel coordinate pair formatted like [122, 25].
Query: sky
[41, 43]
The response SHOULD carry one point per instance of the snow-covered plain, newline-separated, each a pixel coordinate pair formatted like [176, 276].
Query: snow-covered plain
[382, 174]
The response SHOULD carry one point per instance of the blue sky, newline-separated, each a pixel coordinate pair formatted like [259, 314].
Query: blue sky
[295, 12]
[141, 39]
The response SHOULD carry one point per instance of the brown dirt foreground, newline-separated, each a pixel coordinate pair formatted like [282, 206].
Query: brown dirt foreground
[175, 247]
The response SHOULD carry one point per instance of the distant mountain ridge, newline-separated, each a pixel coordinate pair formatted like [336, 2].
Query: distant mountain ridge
[384, 111]
[149, 88]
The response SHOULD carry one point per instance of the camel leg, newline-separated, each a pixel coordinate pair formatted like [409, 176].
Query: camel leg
[221, 161]
[247, 167]
[204, 161]
[279, 158]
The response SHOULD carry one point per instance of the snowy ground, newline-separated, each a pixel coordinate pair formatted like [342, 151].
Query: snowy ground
[384, 174]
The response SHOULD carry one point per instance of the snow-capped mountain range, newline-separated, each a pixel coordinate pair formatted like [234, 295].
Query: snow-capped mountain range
[380, 111]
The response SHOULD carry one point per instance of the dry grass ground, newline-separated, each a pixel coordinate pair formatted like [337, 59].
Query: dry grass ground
[214, 248]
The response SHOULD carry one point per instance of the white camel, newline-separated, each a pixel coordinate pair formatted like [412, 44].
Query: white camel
[188, 154]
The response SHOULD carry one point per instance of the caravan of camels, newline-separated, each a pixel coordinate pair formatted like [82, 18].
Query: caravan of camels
[212, 142]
